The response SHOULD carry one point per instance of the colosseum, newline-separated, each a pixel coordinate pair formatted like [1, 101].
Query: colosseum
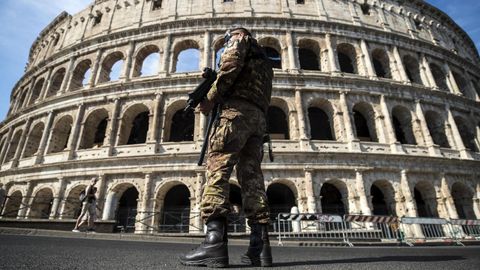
[375, 111]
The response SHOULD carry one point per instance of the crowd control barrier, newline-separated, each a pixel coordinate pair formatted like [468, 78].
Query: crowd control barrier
[426, 229]
[310, 227]
[372, 228]
[465, 229]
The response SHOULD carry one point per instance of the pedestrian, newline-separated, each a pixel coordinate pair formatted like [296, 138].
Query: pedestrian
[3, 197]
[89, 205]
[243, 90]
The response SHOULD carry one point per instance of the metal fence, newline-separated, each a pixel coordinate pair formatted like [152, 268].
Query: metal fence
[372, 228]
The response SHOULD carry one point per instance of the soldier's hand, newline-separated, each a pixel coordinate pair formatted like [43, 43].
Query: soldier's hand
[205, 106]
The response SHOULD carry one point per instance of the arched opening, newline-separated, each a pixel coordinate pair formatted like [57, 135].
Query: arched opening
[56, 82]
[347, 58]
[383, 198]
[462, 85]
[381, 64]
[402, 123]
[127, 210]
[182, 127]
[94, 129]
[412, 68]
[320, 126]
[281, 199]
[60, 135]
[36, 91]
[147, 62]
[332, 200]
[466, 133]
[186, 57]
[425, 200]
[363, 116]
[81, 75]
[111, 68]
[33, 140]
[21, 102]
[218, 57]
[42, 204]
[309, 55]
[72, 206]
[12, 205]
[439, 77]
[176, 210]
[272, 50]
[236, 219]
[12, 149]
[436, 127]
[463, 199]
[277, 124]
[135, 124]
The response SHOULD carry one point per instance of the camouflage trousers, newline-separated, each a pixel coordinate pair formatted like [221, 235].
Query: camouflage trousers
[237, 140]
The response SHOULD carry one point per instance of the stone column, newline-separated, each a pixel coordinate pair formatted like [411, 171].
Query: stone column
[4, 152]
[451, 211]
[30, 92]
[68, 76]
[302, 121]
[410, 207]
[47, 83]
[145, 216]
[126, 74]
[195, 215]
[57, 200]
[74, 137]
[395, 146]
[332, 58]
[96, 69]
[451, 80]
[101, 185]
[45, 136]
[292, 51]
[21, 144]
[361, 193]
[367, 60]
[24, 206]
[166, 55]
[476, 199]
[207, 40]
[426, 73]
[402, 74]
[154, 129]
[112, 139]
[353, 142]
[433, 149]
[460, 146]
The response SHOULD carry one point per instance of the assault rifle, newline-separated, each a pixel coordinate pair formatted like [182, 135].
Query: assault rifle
[197, 96]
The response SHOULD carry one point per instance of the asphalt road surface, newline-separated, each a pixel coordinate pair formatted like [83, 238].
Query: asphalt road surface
[38, 252]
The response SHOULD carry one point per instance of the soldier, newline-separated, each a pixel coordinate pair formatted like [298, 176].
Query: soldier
[243, 90]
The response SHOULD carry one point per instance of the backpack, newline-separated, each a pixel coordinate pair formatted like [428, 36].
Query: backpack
[82, 196]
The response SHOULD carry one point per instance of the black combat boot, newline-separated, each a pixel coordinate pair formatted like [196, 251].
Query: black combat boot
[213, 252]
[259, 252]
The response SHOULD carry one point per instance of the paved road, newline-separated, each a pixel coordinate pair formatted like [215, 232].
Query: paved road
[39, 252]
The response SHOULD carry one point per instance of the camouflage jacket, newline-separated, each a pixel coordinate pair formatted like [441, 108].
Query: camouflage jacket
[243, 75]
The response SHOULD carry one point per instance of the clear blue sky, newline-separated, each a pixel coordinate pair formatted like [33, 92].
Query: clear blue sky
[22, 20]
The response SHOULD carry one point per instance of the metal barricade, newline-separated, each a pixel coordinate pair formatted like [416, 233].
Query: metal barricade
[372, 228]
[310, 227]
[466, 229]
[423, 229]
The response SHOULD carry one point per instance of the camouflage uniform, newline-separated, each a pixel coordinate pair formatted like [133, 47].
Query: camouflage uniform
[243, 87]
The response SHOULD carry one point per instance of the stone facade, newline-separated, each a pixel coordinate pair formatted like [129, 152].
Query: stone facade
[375, 110]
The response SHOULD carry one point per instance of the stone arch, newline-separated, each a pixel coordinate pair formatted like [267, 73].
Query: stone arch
[179, 126]
[188, 48]
[72, 205]
[381, 64]
[218, 47]
[364, 118]
[439, 77]
[402, 124]
[13, 204]
[463, 199]
[412, 68]
[466, 133]
[142, 60]
[425, 199]
[334, 197]
[134, 125]
[321, 120]
[22, 100]
[309, 54]
[60, 134]
[113, 59]
[282, 196]
[121, 205]
[436, 127]
[13, 145]
[94, 129]
[41, 204]
[56, 82]
[273, 51]
[383, 198]
[463, 85]
[79, 75]
[175, 212]
[33, 140]
[36, 91]
[347, 58]
[277, 123]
